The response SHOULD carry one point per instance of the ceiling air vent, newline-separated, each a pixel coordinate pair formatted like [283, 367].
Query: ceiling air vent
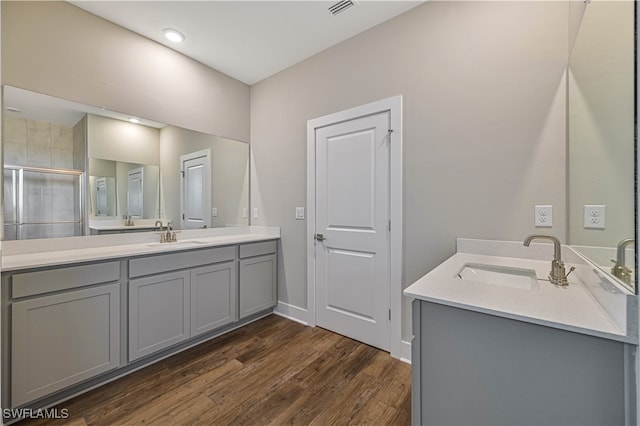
[341, 6]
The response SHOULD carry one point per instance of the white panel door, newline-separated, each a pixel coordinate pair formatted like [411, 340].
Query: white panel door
[101, 197]
[352, 215]
[196, 190]
[134, 193]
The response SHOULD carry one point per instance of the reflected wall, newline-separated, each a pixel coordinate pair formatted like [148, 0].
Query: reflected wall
[601, 130]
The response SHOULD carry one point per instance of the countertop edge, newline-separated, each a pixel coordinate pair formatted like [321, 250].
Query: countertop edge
[523, 318]
[14, 263]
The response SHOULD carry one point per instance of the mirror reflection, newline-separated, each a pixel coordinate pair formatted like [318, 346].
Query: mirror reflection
[601, 136]
[72, 169]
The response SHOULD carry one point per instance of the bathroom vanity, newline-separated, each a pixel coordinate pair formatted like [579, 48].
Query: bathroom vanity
[496, 343]
[97, 308]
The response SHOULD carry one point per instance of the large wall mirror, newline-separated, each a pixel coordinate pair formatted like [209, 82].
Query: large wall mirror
[73, 169]
[602, 122]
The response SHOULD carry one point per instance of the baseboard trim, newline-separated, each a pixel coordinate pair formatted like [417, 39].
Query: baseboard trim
[405, 353]
[291, 312]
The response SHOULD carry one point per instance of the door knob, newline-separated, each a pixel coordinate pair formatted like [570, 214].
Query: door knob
[319, 237]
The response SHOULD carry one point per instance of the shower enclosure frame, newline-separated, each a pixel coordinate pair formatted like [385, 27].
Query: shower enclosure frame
[17, 182]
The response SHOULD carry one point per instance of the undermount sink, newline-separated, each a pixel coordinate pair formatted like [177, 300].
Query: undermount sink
[177, 243]
[499, 275]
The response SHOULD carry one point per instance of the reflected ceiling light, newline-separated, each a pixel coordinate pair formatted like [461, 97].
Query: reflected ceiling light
[134, 120]
[173, 35]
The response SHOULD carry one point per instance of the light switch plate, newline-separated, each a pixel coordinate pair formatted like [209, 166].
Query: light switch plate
[244, 213]
[543, 216]
[594, 216]
[256, 213]
[299, 213]
[214, 212]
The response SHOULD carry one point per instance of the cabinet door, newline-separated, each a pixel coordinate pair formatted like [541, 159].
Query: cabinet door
[213, 297]
[63, 339]
[257, 284]
[158, 312]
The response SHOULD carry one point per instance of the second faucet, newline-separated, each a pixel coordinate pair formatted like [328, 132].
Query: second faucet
[557, 275]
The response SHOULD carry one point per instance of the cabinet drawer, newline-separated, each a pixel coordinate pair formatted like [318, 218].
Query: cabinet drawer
[180, 260]
[50, 280]
[257, 249]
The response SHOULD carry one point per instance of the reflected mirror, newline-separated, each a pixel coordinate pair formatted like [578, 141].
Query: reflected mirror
[72, 169]
[601, 81]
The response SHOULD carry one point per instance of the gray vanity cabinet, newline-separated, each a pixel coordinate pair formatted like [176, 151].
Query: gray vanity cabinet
[196, 292]
[159, 314]
[258, 277]
[475, 368]
[65, 328]
[67, 335]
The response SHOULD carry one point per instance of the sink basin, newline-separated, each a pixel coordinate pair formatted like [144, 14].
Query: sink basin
[499, 275]
[177, 243]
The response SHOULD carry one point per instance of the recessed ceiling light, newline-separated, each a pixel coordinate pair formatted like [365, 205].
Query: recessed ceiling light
[13, 109]
[134, 120]
[173, 35]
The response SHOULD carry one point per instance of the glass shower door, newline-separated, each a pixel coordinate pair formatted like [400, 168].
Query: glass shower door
[42, 203]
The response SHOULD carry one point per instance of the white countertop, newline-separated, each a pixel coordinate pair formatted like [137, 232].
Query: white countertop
[571, 308]
[25, 254]
[101, 227]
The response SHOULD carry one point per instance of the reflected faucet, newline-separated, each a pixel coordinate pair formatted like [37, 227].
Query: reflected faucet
[620, 269]
[128, 220]
[557, 275]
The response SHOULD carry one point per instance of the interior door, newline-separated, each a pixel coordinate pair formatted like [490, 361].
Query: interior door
[134, 192]
[101, 197]
[352, 229]
[196, 190]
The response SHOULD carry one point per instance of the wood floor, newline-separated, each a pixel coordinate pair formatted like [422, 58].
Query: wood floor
[274, 371]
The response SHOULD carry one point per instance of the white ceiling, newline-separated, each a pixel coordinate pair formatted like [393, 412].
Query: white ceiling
[247, 40]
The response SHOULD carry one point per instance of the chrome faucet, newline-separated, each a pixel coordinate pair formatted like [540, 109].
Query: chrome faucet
[128, 220]
[620, 269]
[158, 225]
[557, 275]
[169, 236]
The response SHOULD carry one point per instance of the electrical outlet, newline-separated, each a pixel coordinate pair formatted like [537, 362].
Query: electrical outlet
[594, 216]
[244, 212]
[543, 216]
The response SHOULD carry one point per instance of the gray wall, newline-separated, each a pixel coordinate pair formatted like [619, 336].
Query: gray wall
[601, 123]
[95, 62]
[484, 126]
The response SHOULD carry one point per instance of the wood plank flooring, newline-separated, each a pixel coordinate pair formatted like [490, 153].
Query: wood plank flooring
[271, 372]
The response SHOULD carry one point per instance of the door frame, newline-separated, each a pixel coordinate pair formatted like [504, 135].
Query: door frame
[392, 105]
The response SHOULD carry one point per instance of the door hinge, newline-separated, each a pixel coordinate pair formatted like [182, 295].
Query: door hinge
[389, 226]
[182, 216]
[389, 314]
[182, 173]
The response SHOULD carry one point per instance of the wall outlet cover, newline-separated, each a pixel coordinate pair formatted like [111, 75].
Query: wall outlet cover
[594, 216]
[543, 216]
